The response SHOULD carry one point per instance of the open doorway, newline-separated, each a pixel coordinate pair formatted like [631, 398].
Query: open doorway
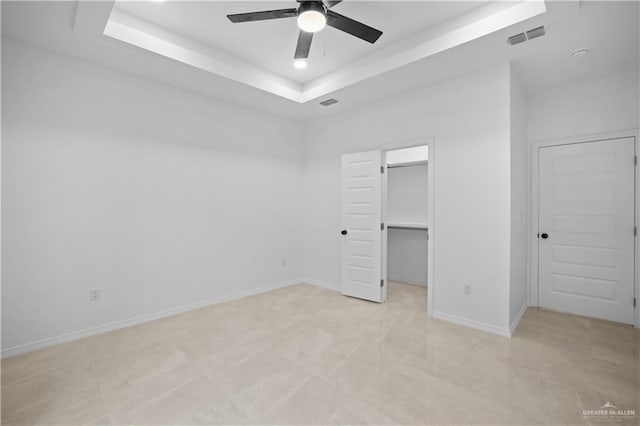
[406, 215]
[387, 235]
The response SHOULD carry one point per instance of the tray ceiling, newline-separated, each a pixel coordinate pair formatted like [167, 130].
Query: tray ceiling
[270, 44]
[259, 54]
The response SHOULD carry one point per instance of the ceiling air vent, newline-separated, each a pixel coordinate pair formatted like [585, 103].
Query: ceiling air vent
[529, 35]
[328, 102]
[518, 38]
[535, 33]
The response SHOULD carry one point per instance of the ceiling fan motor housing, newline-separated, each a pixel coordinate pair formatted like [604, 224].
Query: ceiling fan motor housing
[311, 6]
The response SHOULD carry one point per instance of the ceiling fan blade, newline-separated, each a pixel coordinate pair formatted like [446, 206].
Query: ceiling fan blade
[355, 28]
[261, 16]
[330, 4]
[304, 45]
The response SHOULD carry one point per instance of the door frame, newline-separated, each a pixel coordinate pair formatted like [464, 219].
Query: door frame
[534, 176]
[430, 143]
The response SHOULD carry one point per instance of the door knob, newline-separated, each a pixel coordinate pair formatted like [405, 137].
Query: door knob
[344, 232]
[544, 235]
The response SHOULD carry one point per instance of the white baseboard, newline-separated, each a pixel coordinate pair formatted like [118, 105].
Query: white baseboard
[322, 284]
[473, 324]
[28, 347]
[406, 281]
[516, 320]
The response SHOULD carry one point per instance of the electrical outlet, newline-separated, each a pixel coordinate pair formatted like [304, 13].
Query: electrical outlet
[283, 262]
[467, 289]
[94, 294]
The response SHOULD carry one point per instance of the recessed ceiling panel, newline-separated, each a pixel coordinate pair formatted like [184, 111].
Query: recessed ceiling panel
[260, 54]
[271, 44]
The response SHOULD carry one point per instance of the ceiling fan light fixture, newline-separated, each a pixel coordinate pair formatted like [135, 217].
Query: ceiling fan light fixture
[300, 64]
[311, 16]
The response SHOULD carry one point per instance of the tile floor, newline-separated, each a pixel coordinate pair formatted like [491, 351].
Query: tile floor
[306, 355]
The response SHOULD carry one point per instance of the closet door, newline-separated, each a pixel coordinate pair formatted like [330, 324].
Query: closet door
[586, 224]
[361, 225]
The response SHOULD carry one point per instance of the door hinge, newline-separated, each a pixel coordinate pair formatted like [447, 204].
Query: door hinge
[635, 160]
[382, 169]
[634, 302]
[635, 231]
[381, 283]
[382, 226]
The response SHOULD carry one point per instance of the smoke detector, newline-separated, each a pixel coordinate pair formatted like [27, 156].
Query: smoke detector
[580, 53]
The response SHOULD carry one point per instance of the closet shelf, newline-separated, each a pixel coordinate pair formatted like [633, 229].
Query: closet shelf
[407, 164]
[405, 225]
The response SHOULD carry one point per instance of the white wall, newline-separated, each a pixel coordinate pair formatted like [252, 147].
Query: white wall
[407, 203]
[407, 194]
[601, 105]
[159, 197]
[407, 155]
[407, 256]
[607, 104]
[519, 202]
[469, 119]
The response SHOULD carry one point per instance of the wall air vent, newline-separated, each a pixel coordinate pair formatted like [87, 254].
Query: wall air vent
[529, 35]
[328, 102]
[535, 33]
[518, 38]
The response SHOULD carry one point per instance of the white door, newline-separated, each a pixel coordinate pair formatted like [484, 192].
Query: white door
[361, 223]
[586, 228]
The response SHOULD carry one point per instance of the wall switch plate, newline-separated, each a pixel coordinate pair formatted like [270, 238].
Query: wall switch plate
[94, 294]
[467, 289]
[284, 262]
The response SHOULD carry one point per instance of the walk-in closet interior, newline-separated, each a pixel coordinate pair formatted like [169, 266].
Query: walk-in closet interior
[407, 219]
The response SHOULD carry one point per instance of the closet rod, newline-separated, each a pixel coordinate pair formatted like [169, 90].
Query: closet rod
[410, 228]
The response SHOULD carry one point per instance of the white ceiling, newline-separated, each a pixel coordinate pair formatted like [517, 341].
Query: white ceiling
[610, 29]
[449, 29]
[271, 44]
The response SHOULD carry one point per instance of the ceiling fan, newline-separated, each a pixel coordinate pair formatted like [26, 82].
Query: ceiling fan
[312, 17]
